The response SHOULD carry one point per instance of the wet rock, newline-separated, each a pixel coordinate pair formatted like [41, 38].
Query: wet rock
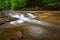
[30, 31]
[17, 36]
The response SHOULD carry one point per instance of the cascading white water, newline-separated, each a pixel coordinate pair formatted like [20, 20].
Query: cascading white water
[22, 17]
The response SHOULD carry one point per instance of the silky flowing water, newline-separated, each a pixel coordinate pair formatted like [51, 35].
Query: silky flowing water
[32, 31]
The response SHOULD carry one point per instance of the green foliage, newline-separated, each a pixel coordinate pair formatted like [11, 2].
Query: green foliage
[12, 4]
[4, 4]
[50, 3]
[1, 4]
[58, 4]
[47, 4]
[17, 4]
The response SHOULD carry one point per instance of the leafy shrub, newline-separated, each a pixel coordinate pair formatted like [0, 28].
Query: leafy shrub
[49, 3]
[46, 4]
[4, 4]
[58, 4]
[12, 4]
[18, 4]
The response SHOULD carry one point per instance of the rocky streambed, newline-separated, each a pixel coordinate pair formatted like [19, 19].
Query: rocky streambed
[31, 31]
